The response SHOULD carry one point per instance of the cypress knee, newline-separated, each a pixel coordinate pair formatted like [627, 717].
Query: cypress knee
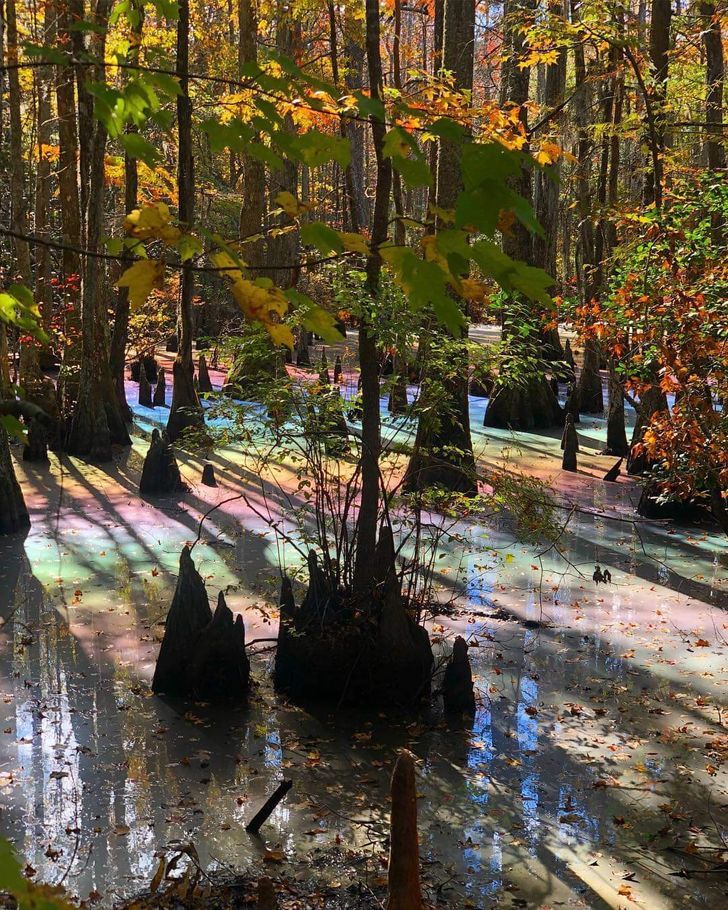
[160, 390]
[324, 377]
[160, 473]
[457, 688]
[404, 856]
[36, 449]
[145, 389]
[204, 375]
[337, 368]
[569, 444]
[208, 476]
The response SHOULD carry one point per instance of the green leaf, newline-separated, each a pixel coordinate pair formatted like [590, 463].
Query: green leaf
[168, 84]
[137, 147]
[320, 235]
[313, 317]
[46, 52]
[114, 245]
[512, 275]
[415, 171]
[14, 428]
[188, 246]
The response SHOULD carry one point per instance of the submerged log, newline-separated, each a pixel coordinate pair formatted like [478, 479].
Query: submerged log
[204, 375]
[145, 390]
[189, 614]
[268, 807]
[160, 390]
[160, 474]
[614, 472]
[202, 655]
[337, 369]
[403, 877]
[13, 513]
[457, 687]
[569, 444]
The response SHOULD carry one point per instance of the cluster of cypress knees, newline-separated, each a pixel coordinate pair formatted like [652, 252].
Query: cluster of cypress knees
[203, 654]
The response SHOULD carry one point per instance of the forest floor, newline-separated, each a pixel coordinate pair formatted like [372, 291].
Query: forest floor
[595, 773]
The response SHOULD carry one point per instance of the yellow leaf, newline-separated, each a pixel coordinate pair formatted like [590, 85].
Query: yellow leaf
[153, 222]
[288, 202]
[141, 278]
[355, 243]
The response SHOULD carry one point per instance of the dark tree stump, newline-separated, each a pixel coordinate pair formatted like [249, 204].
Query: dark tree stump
[387, 366]
[534, 407]
[337, 369]
[569, 445]
[13, 513]
[481, 385]
[219, 668]
[208, 475]
[172, 345]
[288, 355]
[330, 651]
[36, 449]
[572, 402]
[160, 390]
[160, 474]
[150, 367]
[614, 472]
[457, 687]
[203, 375]
[403, 875]
[189, 614]
[145, 390]
[571, 363]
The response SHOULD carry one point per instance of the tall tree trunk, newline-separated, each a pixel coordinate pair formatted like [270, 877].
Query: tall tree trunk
[715, 79]
[548, 181]
[31, 378]
[253, 207]
[659, 67]
[120, 333]
[185, 411]
[97, 421]
[443, 453]
[536, 405]
[589, 387]
[359, 212]
[371, 441]
[69, 205]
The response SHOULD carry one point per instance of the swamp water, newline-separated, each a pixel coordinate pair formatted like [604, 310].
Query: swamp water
[590, 777]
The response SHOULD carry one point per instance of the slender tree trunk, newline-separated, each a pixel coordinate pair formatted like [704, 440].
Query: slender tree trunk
[659, 66]
[443, 452]
[253, 207]
[371, 441]
[69, 205]
[715, 80]
[185, 411]
[120, 333]
[535, 406]
[548, 182]
[97, 421]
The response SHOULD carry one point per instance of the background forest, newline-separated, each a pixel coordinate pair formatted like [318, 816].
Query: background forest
[356, 276]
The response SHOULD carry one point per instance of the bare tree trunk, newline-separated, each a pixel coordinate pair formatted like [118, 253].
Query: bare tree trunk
[714, 78]
[253, 207]
[547, 183]
[443, 452]
[69, 204]
[371, 441]
[659, 66]
[536, 406]
[97, 422]
[185, 411]
[120, 333]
